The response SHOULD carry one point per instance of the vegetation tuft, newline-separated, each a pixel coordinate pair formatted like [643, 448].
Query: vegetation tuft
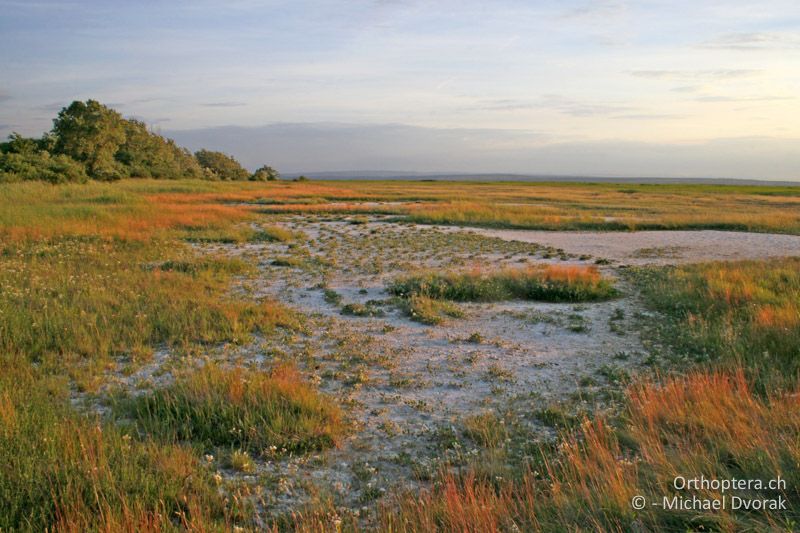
[241, 408]
[550, 283]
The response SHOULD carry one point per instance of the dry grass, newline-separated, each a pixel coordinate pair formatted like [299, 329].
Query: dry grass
[710, 424]
[739, 419]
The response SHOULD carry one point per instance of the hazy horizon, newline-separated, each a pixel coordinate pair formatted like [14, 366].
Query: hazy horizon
[606, 88]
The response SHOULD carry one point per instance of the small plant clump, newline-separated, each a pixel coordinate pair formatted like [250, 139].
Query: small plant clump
[249, 409]
[549, 283]
[429, 311]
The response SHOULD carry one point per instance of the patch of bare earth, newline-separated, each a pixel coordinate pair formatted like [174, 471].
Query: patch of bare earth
[405, 384]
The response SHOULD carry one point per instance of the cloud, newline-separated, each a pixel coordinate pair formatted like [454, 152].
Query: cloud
[151, 121]
[4, 96]
[596, 9]
[722, 98]
[554, 102]
[310, 147]
[692, 75]
[650, 116]
[53, 107]
[754, 41]
[223, 104]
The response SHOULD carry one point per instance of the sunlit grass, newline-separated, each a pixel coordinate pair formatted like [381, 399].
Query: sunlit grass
[90, 300]
[710, 424]
[66, 472]
[245, 409]
[550, 283]
[736, 420]
[91, 275]
[736, 315]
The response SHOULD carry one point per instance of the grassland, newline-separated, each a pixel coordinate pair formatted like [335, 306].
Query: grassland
[100, 277]
[727, 408]
[246, 409]
[92, 275]
[556, 206]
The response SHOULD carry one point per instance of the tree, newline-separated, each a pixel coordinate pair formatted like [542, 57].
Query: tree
[218, 165]
[24, 159]
[265, 173]
[148, 155]
[91, 133]
[17, 144]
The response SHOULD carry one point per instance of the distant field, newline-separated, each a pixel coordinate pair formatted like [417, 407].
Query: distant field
[551, 206]
[554, 206]
[183, 355]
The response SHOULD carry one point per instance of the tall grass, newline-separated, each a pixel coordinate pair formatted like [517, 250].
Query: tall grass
[60, 471]
[710, 424]
[735, 414]
[735, 315]
[89, 273]
[550, 283]
[244, 409]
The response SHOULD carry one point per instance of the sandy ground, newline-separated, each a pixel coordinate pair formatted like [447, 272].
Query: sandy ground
[659, 247]
[406, 387]
[406, 384]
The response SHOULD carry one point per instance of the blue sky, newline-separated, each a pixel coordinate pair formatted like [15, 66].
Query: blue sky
[612, 87]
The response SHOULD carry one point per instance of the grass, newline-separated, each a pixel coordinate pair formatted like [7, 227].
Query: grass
[732, 415]
[733, 315]
[429, 311]
[363, 310]
[88, 300]
[66, 472]
[244, 409]
[706, 423]
[552, 206]
[97, 273]
[91, 275]
[549, 283]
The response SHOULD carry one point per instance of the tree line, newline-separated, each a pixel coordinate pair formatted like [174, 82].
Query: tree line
[92, 141]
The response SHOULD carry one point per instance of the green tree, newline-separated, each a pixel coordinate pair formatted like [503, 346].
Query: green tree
[17, 144]
[24, 159]
[218, 165]
[265, 173]
[91, 133]
[148, 155]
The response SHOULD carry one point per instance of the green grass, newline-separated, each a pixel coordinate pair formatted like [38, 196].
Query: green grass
[88, 300]
[240, 408]
[732, 315]
[429, 311]
[732, 413]
[363, 310]
[544, 283]
[68, 472]
[98, 274]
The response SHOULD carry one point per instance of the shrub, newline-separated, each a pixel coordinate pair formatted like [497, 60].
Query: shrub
[218, 165]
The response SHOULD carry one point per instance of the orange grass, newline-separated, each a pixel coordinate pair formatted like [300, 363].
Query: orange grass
[705, 423]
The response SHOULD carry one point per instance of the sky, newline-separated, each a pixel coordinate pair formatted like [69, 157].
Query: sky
[609, 87]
